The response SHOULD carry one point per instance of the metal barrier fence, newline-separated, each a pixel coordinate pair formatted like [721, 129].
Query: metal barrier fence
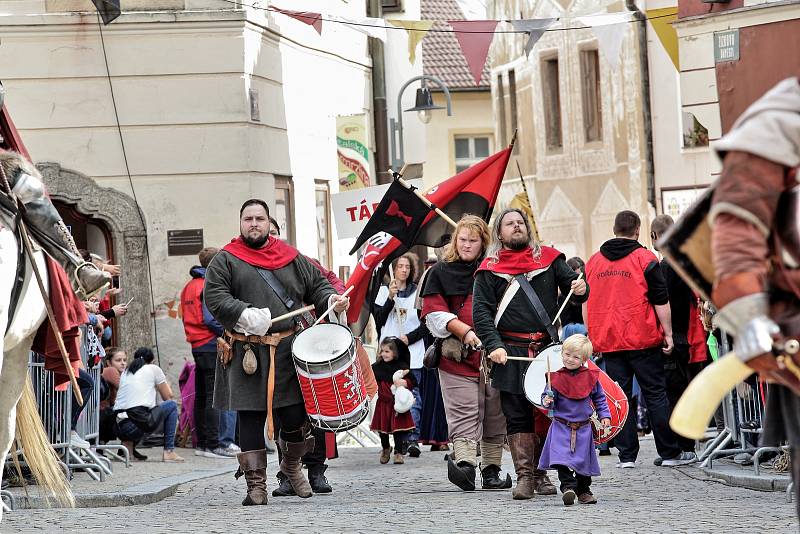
[743, 412]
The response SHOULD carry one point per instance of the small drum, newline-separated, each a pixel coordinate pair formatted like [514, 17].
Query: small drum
[334, 393]
[535, 384]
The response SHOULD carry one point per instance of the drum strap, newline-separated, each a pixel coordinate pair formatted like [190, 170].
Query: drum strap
[538, 307]
[280, 292]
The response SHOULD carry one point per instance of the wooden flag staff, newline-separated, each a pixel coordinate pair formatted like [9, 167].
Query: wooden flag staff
[440, 213]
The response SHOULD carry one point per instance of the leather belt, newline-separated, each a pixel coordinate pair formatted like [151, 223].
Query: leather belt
[523, 339]
[272, 340]
[573, 426]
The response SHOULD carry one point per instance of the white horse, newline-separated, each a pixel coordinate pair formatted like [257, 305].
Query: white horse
[18, 409]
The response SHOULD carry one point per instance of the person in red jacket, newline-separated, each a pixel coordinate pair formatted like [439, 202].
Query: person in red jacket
[202, 331]
[629, 322]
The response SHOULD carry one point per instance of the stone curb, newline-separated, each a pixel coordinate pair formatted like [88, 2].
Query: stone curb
[750, 481]
[146, 493]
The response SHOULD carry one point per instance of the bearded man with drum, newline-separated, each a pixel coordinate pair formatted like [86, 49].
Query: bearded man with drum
[507, 323]
[254, 278]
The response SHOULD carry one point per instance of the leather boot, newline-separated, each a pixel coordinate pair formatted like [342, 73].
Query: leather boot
[54, 237]
[461, 469]
[292, 464]
[491, 458]
[541, 482]
[522, 451]
[253, 465]
[316, 477]
[284, 488]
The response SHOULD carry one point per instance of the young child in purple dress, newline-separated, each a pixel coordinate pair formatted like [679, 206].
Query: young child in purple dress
[569, 447]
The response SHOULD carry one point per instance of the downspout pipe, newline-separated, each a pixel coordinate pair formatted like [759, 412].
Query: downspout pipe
[644, 69]
[379, 109]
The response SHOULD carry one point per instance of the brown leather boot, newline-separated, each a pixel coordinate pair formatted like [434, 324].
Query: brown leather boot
[541, 482]
[522, 450]
[292, 464]
[253, 465]
[386, 454]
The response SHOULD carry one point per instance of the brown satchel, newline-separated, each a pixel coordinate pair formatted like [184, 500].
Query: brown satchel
[224, 351]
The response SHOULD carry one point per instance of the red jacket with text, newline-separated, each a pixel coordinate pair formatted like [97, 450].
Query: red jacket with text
[620, 313]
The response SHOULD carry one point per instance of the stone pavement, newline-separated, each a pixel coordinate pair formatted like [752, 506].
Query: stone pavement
[416, 497]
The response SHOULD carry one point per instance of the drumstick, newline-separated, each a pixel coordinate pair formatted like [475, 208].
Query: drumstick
[561, 309]
[298, 311]
[321, 317]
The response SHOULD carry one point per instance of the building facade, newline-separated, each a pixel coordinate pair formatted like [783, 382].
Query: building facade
[153, 130]
[582, 141]
[730, 54]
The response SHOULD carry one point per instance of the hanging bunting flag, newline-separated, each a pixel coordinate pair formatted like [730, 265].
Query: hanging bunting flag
[535, 28]
[306, 17]
[417, 30]
[367, 25]
[475, 38]
[108, 9]
[609, 29]
[662, 20]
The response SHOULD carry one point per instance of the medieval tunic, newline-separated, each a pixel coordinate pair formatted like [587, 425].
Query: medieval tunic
[519, 316]
[233, 285]
[557, 450]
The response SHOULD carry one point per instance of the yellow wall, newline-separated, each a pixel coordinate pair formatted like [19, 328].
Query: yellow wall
[472, 114]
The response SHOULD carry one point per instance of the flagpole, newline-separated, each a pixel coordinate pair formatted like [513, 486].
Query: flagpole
[427, 202]
[530, 204]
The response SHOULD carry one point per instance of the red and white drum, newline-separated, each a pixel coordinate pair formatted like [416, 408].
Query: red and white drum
[330, 378]
[535, 384]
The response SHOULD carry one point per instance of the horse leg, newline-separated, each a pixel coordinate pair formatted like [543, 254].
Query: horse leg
[14, 366]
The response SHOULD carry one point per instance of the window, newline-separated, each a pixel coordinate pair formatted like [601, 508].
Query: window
[391, 5]
[552, 104]
[501, 107]
[590, 96]
[284, 208]
[694, 133]
[322, 196]
[512, 97]
[470, 150]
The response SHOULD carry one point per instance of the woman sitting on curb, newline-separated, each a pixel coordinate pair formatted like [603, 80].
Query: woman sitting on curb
[136, 407]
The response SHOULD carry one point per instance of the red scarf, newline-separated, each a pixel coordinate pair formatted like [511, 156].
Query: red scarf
[273, 255]
[575, 386]
[515, 262]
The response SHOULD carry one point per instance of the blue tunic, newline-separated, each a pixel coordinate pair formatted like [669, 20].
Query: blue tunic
[557, 445]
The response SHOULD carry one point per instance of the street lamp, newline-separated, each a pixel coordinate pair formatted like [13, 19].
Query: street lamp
[424, 106]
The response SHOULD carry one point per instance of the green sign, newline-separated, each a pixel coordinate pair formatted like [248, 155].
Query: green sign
[726, 46]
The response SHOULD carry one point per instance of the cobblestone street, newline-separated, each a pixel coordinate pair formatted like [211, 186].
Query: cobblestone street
[416, 497]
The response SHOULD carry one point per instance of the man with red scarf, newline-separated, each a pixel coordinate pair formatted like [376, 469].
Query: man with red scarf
[254, 278]
[507, 324]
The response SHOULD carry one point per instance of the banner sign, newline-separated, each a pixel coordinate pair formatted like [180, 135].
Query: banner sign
[352, 152]
[352, 209]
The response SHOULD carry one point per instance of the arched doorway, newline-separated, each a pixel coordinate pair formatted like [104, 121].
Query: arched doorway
[103, 216]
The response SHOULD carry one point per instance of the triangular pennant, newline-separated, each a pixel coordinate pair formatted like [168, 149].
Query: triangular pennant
[535, 28]
[609, 29]
[367, 25]
[417, 30]
[108, 9]
[306, 17]
[475, 38]
[662, 20]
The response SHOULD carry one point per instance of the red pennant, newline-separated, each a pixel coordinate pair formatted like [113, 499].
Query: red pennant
[475, 38]
[306, 17]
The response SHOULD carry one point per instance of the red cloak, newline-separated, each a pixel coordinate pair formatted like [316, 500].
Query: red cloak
[273, 255]
[515, 262]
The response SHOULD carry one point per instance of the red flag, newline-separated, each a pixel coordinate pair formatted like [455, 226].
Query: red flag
[473, 191]
[475, 38]
[306, 17]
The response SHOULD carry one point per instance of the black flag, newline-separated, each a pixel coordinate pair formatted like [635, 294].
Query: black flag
[108, 9]
[400, 213]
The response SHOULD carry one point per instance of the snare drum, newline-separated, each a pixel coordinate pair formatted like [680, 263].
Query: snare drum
[330, 378]
[535, 384]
